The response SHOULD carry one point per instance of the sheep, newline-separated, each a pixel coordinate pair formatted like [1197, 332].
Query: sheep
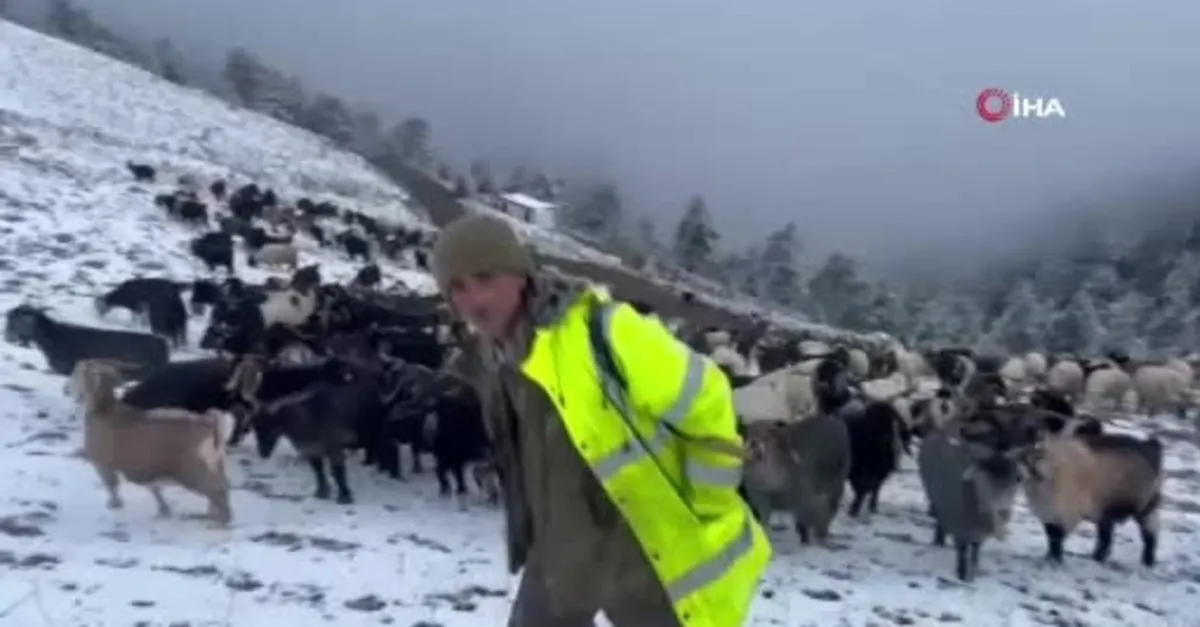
[151, 447]
[971, 487]
[215, 250]
[1106, 388]
[1182, 367]
[288, 307]
[1035, 367]
[781, 395]
[1067, 378]
[279, 255]
[141, 172]
[800, 466]
[1015, 374]
[932, 414]
[859, 363]
[64, 344]
[1160, 389]
[1103, 479]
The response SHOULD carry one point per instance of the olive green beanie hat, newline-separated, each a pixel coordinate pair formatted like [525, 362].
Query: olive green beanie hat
[478, 243]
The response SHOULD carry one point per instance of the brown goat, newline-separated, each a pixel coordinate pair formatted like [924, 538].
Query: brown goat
[151, 447]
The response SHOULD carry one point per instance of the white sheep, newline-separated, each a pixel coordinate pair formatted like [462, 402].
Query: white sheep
[276, 255]
[1015, 375]
[1035, 367]
[729, 359]
[1162, 388]
[1066, 378]
[860, 364]
[1106, 389]
[288, 307]
[785, 394]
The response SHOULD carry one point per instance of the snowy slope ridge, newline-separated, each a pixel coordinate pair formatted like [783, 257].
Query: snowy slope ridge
[90, 103]
[72, 223]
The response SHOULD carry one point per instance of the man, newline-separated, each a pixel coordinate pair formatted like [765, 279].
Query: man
[647, 527]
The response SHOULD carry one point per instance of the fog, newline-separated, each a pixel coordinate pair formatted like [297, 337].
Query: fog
[857, 120]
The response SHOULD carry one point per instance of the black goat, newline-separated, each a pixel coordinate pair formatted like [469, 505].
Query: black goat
[141, 172]
[355, 246]
[256, 237]
[136, 294]
[215, 250]
[192, 211]
[878, 436]
[306, 278]
[65, 344]
[196, 385]
[368, 276]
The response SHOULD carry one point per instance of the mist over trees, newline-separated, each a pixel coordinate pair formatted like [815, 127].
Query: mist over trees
[1138, 290]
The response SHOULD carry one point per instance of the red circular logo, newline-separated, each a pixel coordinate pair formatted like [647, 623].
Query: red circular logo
[993, 104]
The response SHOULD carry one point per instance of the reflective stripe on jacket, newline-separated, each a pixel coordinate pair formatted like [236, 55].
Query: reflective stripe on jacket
[675, 480]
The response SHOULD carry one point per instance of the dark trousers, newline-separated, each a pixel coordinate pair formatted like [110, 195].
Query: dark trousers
[532, 608]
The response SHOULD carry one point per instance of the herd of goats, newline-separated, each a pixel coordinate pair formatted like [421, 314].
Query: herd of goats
[339, 368]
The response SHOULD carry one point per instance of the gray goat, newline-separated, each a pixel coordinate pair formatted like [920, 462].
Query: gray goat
[801, 467]
[971, 485]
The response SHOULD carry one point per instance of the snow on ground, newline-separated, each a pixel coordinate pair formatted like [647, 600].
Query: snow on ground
[72, 223]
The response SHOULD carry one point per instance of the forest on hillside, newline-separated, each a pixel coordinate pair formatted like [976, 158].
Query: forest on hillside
[1106, 286]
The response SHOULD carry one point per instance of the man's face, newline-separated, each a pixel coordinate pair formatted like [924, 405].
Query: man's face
[488, 301]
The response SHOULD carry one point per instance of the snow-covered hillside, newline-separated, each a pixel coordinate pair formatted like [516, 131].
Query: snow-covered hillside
[72, 223]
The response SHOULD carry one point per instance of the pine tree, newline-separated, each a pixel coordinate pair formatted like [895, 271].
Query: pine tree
[461, 188]
[1023, 325]
[480, 170]
[598, 214]
[169, 63]
[839, 294]
[410, 141]
[327, 116]
[518, 180]
[695, 237]
[645, 238]
[780, 276]
[68, 21]
[245, 73]
[1078, 328]
[368, 134]
[279, 96]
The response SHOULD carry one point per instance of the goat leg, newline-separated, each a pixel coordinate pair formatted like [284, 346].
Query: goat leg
[337, 466]
[111, 482]
[441, 471]
[318, 466]
[164, 509]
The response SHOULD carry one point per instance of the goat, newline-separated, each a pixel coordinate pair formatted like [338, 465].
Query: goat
[151, 447]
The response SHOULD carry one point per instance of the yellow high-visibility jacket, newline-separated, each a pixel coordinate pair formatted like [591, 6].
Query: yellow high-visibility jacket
[674, 486]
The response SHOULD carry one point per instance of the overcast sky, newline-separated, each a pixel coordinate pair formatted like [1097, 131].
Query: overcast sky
[856, 119]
